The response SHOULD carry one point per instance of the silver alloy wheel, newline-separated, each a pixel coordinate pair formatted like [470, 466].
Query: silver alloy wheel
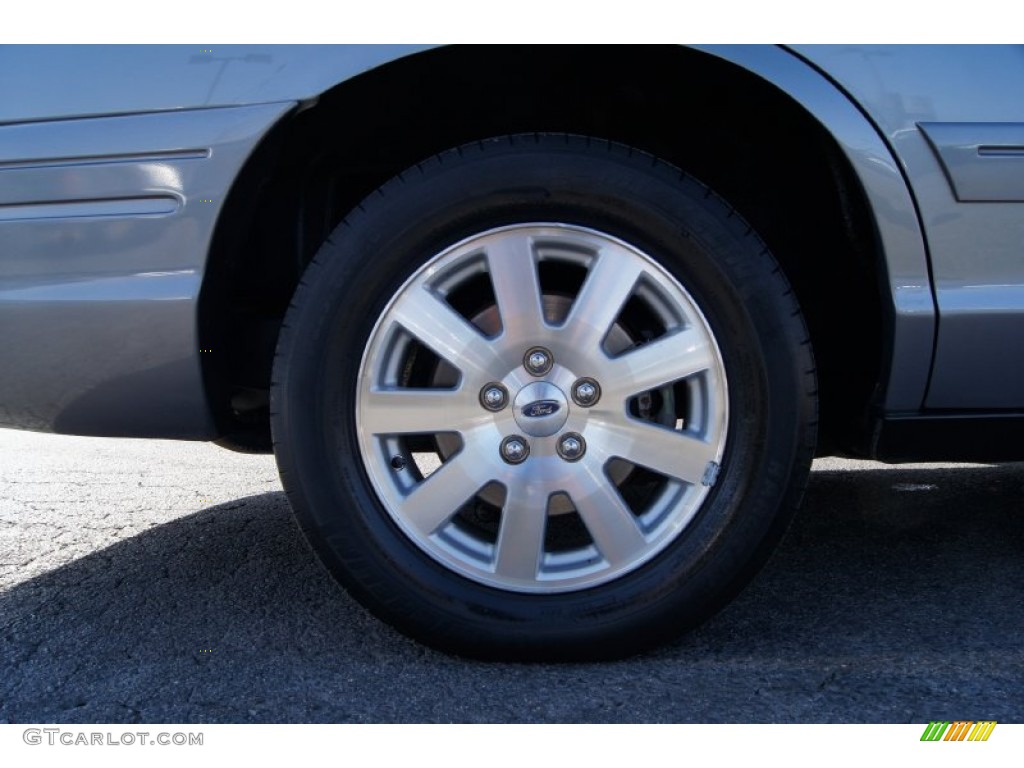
[605, 312]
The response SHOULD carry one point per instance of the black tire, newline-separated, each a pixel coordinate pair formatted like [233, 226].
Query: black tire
[627, 195]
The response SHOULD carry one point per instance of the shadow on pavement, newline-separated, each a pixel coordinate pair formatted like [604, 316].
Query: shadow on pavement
[895, 598]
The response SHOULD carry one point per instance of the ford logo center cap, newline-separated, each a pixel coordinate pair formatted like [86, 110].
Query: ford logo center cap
[540, 408]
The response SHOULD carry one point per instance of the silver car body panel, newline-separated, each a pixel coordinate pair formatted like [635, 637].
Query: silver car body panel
[110, 192]
[126, 79]
[968, 99]
[984, 162]
[105, 224]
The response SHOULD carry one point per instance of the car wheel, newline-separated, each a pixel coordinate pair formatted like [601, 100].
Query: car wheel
[543, 397]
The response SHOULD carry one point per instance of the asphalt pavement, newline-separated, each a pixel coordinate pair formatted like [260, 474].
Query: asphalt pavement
[157, 582]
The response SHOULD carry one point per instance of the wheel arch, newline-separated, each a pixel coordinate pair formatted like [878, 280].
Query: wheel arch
[785, 148]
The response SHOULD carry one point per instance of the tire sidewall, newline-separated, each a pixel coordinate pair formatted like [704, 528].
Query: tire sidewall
[565, 180]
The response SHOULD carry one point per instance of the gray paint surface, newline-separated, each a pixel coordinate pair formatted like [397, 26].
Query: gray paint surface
[105, 229]
[60, 81]
[976, 249]
[984, 162]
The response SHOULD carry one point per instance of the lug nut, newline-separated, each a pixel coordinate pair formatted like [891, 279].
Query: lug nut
[493, 397]
[514, 449]
[538, 360]
[572, 446]
[586, 392]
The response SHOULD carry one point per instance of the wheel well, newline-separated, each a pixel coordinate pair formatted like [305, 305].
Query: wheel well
[743, 137]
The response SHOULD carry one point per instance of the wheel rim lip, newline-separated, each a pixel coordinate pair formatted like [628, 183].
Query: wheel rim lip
[545, 465]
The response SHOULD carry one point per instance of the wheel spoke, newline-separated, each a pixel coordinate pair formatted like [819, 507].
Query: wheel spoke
[521, 537]
[516, 286]
[675, 454]
[581, 454]
[411, 411]
[608, 285]
[611, 524]
[432, 321]
[662, 361]
[433, 502]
